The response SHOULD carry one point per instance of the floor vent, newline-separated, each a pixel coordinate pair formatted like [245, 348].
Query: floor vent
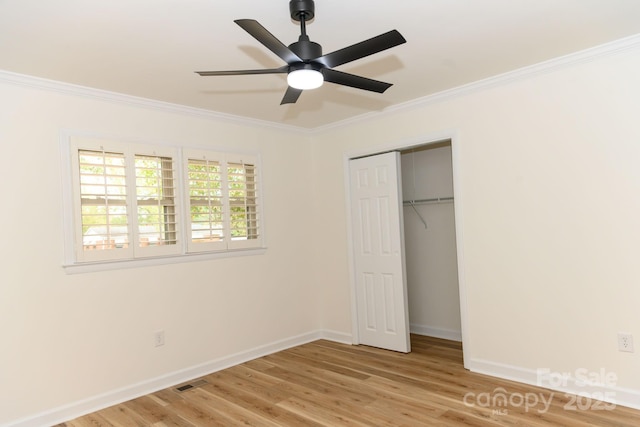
[189, 386]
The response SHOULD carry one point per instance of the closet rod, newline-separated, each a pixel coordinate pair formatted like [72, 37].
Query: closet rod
[435, 199]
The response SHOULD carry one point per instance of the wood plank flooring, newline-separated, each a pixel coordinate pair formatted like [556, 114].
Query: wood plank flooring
[329, 384]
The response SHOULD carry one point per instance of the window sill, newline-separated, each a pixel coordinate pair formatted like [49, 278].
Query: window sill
[90, 267]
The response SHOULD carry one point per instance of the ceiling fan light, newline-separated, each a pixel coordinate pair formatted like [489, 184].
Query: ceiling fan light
[305, 79]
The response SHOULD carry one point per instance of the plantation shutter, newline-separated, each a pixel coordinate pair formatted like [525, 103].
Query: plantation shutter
[242, 181]
[223, 201]
[207, 213]
[157, 230]
[126, 205]
[104, 208]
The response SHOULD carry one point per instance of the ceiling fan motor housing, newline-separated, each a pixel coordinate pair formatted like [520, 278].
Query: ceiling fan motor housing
[306, 49]
[302, 9]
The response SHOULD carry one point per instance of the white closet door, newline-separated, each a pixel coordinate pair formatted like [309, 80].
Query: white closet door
[381, 288]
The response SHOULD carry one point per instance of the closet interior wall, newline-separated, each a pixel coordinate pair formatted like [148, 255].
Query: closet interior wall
[430, 241]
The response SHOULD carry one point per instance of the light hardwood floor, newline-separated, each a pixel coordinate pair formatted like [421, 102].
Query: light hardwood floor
[328, 384]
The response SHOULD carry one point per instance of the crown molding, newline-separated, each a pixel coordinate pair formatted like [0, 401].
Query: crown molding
[583, 56]
[545, 67]
[130, 100]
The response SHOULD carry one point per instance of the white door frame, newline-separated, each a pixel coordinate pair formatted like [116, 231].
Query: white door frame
[458, 209]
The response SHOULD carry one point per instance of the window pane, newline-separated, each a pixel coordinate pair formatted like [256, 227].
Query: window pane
[242, 201]
[205, 200]
[155, 199]
[103, 200]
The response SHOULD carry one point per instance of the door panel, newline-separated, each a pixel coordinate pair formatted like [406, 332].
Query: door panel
[381, 291]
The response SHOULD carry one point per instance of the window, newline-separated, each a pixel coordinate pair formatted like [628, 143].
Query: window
[223, 201]
[242, 201]
[103, 200]
[128, 201]
[125, 201]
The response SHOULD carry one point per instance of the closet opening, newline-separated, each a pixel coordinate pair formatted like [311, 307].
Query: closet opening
[428, 205]
[405, 234]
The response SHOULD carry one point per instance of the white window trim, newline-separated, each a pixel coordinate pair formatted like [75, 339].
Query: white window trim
[72, 265]
[91, 267]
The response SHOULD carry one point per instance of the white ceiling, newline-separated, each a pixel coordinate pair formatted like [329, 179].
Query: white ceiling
[151, 48]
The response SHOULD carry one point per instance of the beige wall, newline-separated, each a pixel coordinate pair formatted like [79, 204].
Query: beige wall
[66, 338]
[547, 203]
[547, 196]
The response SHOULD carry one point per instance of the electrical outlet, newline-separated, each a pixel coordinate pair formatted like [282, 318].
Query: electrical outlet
[625, 342]
[158, 338]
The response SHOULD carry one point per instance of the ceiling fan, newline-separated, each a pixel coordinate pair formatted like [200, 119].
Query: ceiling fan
[307, 67]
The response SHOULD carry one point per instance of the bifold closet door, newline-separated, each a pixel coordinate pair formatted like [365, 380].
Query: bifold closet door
[379, 264]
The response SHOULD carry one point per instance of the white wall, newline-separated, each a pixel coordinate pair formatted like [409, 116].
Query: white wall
[67, 338]
[430, 252]
[547, 174]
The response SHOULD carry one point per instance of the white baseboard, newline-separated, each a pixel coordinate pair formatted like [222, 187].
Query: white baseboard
[575, 383]
[114, 397]
[446, 334]
[335, 336]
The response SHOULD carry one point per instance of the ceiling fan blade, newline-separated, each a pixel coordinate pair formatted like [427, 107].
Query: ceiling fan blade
[243, 72]
[291, 95]
[268, 40]
[352, 80]
[362, 49]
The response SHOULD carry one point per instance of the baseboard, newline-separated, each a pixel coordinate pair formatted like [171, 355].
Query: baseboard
[335, 336]
[114, 397]
[446, 334]
[589, 386]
